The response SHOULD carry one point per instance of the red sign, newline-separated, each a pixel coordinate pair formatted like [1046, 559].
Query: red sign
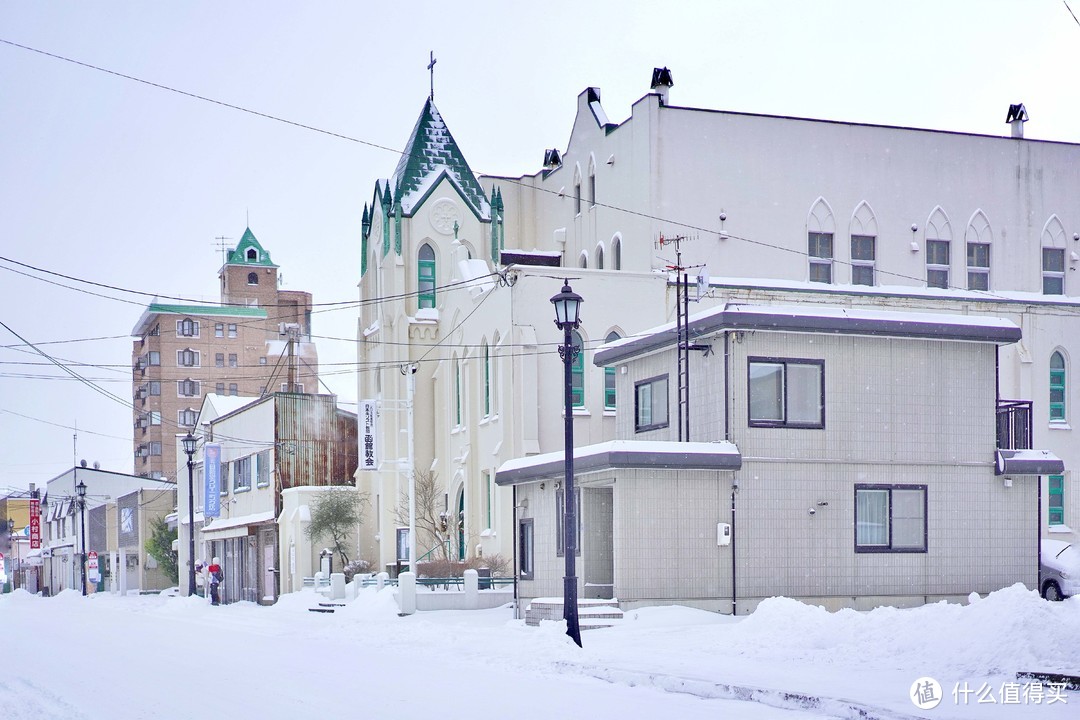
[35, 523]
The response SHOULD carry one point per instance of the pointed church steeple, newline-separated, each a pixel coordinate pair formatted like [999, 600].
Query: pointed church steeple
[430, 153]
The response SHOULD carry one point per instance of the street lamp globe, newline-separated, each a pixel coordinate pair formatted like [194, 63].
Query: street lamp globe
[567, 307]
[190, 442]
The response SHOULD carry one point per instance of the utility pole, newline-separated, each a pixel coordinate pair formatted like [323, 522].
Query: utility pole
[682, 325]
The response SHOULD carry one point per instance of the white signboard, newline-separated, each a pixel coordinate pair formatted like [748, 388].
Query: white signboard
[368, 416]
[92, 567]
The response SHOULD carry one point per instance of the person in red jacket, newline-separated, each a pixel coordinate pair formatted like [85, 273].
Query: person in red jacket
[215, 578]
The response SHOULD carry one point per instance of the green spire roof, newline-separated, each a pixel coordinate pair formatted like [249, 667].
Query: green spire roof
[242, 256]
[430, 154]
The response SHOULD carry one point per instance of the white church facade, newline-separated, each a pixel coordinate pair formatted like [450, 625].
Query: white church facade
[457, 272]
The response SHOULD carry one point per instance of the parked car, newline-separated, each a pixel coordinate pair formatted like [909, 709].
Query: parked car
[1059, 570]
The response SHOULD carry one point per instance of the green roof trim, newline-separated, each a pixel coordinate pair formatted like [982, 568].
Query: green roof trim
[239, 255]
[220, 310]
[430, 153]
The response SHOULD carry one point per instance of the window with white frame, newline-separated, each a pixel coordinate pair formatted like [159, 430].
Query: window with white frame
[153, 357]
[187, 417]
[262, 474]
[219, 330]
[651, 404]
[155, 448]
[1053, 271]
[187, 388]
[820, 253]
[242, 474]
[978, 266]
[297, 387]
[155, 387]
[785, 392]
[232, 330]
[890, 518]
[937, 263]
[155, 417]
[863, 252]
[187, 327]
[187, 358]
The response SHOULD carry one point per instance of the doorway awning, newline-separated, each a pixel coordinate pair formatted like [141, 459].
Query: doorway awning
[1028, 462]
[224, 528]
[623, 454]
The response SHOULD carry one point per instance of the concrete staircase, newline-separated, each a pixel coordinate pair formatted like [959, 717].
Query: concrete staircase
[592, 613]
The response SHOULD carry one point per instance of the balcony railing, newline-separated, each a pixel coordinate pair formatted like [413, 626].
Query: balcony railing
[1014, 424]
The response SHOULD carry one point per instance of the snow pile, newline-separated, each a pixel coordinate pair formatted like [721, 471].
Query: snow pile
[1011, 629]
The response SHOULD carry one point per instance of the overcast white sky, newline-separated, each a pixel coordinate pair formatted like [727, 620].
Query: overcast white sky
[113, 181]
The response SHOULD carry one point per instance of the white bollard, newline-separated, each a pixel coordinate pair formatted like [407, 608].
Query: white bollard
[472, 589]
[381, 579]
[407, 593]
[337, 586]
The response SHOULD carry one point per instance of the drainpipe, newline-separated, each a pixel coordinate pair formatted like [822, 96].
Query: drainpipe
[514, 542]
[734, 478]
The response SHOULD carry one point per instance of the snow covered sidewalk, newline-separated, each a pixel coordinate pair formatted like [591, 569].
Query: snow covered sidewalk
[158, 657]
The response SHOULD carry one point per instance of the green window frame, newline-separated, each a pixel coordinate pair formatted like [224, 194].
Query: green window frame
[1055, 505]
[1057, 387]
[487, 380]
[609, 378]
[457, 392]
[577, 373]
[425, 277]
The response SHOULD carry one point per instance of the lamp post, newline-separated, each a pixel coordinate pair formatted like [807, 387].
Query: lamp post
[567, 317]
[190, 442]
[80, 490]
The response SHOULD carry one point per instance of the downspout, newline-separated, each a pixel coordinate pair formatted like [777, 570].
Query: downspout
[734, 476]
[514, 561]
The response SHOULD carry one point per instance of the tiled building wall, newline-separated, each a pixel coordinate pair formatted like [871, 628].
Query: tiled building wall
[886, 399]
[706, 394]
[665, 531]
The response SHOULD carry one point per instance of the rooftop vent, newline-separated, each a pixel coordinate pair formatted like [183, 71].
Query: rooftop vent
[1016, 118]
[661, 83]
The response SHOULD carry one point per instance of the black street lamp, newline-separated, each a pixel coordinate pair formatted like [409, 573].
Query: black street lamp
[190, 442]
[80, 490]
[567, 317]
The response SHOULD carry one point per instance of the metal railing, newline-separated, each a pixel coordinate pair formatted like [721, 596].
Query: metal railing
[1014, 424]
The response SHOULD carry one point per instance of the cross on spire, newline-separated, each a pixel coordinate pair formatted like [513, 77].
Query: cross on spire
[431, 69]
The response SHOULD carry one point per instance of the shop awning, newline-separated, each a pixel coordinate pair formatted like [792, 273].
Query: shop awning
[223, 528]
[1028, 462]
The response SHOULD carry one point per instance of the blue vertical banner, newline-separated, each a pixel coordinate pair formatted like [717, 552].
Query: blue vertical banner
[212, 480]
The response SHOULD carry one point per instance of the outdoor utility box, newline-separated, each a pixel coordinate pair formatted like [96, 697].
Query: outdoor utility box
[723, 534]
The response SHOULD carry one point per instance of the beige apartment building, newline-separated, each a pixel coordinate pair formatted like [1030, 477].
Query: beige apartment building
[256, 341]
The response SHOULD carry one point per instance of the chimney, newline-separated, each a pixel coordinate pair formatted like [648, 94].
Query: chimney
[1016, 118]
[661, 83]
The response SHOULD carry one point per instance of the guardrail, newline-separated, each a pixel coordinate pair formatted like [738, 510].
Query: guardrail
[445, 583]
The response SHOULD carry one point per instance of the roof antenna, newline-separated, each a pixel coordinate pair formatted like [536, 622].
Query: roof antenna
[431, 69]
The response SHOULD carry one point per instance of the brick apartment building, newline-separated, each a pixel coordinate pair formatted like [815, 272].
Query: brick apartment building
[239, 347]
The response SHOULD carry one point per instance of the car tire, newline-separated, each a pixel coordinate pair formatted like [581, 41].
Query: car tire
[1052, 592]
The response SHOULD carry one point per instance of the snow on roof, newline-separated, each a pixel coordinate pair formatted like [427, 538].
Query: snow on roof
[431, 154]
[816, 319]
[623, 453]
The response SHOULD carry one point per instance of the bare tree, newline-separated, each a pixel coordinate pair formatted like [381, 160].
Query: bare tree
[433, 526]
[335, 513]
